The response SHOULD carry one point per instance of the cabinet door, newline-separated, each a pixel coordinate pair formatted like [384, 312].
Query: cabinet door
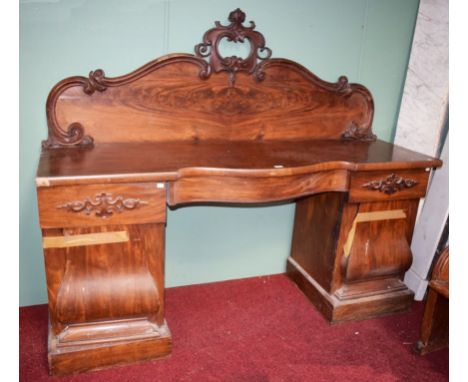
[106, 273]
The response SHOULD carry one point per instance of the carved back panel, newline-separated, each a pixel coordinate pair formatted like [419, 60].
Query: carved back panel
[209, 97]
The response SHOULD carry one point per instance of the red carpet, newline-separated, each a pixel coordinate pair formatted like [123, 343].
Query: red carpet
[259, 329]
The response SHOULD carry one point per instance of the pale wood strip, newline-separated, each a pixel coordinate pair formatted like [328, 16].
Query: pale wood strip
[84, 239]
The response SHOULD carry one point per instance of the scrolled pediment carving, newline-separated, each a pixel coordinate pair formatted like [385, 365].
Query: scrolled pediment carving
[74, 134]
[179, 95]
[238, 33]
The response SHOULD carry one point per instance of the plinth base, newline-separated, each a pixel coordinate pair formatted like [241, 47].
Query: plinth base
[139, 340]
[338, 307]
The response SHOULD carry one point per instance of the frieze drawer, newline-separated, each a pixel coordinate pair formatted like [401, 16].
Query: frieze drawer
[102, 204]
[372, 186]
[254, 189]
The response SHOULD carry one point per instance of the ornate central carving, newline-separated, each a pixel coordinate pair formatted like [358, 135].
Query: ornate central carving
[390, 185]
[234, 32]
[103, 205]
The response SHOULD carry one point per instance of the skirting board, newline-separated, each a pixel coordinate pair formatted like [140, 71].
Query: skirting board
[417, 284]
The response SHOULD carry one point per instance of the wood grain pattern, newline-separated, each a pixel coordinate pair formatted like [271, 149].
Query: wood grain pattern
[166, 100]
[366, 217]
[145, 204]
[368, 282]
[105, 297]
[156, 162]
[336, 310]
[379, 248]
[219, 188]
[82, 289]
[76, 359]
[317, 256]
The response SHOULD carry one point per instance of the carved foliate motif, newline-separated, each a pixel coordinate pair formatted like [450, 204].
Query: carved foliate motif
[103, 205]
[390, 185]
[234, 32]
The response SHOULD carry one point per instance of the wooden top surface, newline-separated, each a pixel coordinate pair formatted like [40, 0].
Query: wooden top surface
[122, 162]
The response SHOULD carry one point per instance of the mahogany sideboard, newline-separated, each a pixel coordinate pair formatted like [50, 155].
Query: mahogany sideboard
[204, 128]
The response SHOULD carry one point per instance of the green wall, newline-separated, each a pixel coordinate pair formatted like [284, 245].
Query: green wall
[367, 40]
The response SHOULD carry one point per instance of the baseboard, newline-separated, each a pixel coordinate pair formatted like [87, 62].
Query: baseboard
[417, 284]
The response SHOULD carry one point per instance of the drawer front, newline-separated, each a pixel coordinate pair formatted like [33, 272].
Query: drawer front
[372, 186]
[101, 204]
[233, 189]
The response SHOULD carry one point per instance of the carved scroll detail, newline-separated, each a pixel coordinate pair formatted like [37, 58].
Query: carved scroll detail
[74, 134]
[354, 133]
[235, 32]
[390, 185]
[95, 81]
[103, 205]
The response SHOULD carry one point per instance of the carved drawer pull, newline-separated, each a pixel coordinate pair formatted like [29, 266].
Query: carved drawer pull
[390, 185]
[103, 205]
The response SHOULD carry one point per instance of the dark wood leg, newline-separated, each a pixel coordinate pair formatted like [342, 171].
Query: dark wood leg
[435, 325]
[106, 301]
[365, 281]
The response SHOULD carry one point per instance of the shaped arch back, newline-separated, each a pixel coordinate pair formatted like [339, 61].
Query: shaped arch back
[207, 97]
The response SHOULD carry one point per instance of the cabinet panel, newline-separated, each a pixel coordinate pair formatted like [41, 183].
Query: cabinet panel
[93, 282]
[106, 300]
